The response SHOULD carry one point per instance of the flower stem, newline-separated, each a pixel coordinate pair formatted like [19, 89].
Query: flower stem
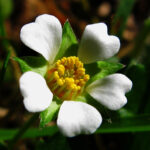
[22, 130]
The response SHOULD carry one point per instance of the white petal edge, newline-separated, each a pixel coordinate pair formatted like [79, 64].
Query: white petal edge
[110, 91]
[37, 96]
[77, 117]
[43, 36]
[96, 44]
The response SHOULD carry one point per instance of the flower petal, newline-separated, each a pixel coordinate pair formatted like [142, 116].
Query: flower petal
[77, 117]
[37, 96]
[96, 44]
[44, 36]
[110, 91]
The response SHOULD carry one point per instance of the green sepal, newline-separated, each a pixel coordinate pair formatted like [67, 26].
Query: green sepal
[106, 68]
[32, 63]
[69, 44]
[51, 112]
[109, 67]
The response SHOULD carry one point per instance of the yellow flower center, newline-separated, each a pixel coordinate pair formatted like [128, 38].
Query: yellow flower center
[67, 78]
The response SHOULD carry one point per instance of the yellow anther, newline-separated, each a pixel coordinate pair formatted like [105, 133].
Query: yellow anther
[61, 66]
[73, 87]
[72, 62]
[69, 63]
[78, 88]
[74, 59]
[63, 60]
[77, 58]
[80, 71]
[61, 69]
[76, 81]
[79, 64]
[60, 82]
[86, 77]
[68, 60]
[69, 81]
[59, 61]
[56, 76]
[82, 82]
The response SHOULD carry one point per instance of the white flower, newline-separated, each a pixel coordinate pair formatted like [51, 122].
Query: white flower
[44, 36]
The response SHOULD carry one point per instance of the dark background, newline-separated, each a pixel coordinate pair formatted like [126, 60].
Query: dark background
[128, 19]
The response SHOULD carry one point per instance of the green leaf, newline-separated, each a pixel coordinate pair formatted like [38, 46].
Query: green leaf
[109, 66]
[50, 113]
[69, 43]
[106, 68]
[31, 63]
[137, 123]
[8, 134]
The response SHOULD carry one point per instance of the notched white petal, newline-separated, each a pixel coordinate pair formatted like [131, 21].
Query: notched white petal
[37, 96]
[96, 44]
[110, 91]
[44, 36]
[76, 118]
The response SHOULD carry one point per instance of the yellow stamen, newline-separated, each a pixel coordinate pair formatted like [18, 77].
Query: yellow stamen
[61, 69]
[67, 78]
[56, 76]
[86, 77]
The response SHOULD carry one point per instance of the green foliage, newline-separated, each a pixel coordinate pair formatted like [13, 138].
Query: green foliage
[8, 134]
[106, 68]
[136, 123]
[69, 43]
[50, 113]
[31, 63]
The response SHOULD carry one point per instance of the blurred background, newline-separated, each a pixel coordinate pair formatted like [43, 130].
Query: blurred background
[126, 129]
